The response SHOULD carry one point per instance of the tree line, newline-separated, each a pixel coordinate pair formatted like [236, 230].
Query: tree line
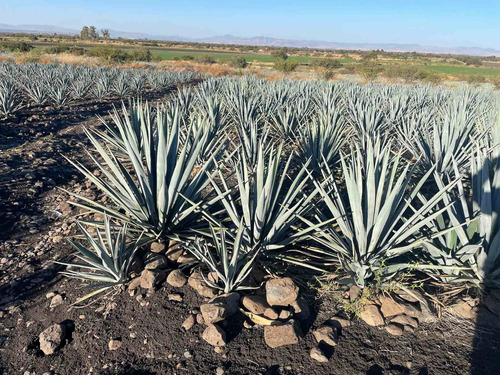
[91, 32]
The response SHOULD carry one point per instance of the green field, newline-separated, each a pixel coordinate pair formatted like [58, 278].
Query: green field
[447, 69]
[169, 55]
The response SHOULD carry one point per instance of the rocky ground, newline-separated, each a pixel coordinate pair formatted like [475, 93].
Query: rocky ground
[167, 321]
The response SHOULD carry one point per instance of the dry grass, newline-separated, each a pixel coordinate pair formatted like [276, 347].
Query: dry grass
[63, 58]
[219, 70]
[215, 70]
[67, 58]
[7, 57]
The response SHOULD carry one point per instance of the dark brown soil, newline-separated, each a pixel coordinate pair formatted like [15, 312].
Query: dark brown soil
[33, 221]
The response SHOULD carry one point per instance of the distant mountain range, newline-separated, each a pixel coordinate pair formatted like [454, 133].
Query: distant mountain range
[263, 41]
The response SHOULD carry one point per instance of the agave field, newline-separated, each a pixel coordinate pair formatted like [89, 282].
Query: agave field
[380, 202]
[376, 180]
[37, 84]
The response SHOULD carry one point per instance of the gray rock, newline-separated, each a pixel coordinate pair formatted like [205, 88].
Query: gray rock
[189, 322]
[214, 335]
[326, 334]
[154, 261]
[177, 278]
[150, 279]
[174, 251]
[284, 314]
[318, 355]
[394, 329]
[281, 292]
[464, 309]
[255, 304]
[339, 322]
[213, 312]
[231, 302]
[52, 338]
[134, 284]
[57, 300]
[196, 282]
[114, 344]
[175, 297]
[390, 308]
[405, 321]
[186, 258]
[199, 319]
[158, 248]
[270, 313]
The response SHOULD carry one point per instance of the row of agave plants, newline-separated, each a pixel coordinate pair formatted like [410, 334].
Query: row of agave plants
[369, 182]
[38, 84]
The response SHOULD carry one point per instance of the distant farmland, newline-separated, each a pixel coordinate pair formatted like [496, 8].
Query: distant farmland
[222, 56]
[169, 55]
[462, 69]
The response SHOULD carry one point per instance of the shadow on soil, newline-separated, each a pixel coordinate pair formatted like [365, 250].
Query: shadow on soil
[485, 357]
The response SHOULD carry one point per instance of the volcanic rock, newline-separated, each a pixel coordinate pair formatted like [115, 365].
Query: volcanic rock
[150, 279]
[213, 312]
[114, 344]
[405, 321]
[52, 338]
[318, 355]
[198, 284]
[281, 292]
[370, 314]
[230, 301]
[389, 307]
[394, 329]
[214, 335]
[281, 335]
[155, 261]
[326, 334]
[177, 278]
[189, 322]
[255, 304]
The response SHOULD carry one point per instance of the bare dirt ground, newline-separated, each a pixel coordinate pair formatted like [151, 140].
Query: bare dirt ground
[35, 219]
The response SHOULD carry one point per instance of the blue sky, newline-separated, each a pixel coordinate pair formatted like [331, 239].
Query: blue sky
[427, 22]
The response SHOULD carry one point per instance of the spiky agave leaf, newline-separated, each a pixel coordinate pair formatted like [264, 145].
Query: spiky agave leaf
[267, 201]
[448, 138]
[452, 255]
[285, 123]
[36, 90]
[60, 91]
[470, 251]
[156, 185]
[321, 141]
[253, 137]
[232, 261]
[366, 118]
[130, 119]
[485, 176]
[121, 86]
[372, 228]
[9, 97]
[106, 258]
